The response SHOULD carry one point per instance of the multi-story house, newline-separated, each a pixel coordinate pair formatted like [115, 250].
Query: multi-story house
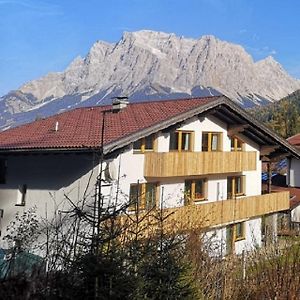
[199, 157]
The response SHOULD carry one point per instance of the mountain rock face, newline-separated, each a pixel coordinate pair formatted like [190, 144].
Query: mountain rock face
[150, 65]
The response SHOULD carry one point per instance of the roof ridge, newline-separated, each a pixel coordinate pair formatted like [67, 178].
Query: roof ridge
[103, 107]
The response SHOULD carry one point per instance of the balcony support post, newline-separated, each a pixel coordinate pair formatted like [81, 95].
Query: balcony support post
[269, 177]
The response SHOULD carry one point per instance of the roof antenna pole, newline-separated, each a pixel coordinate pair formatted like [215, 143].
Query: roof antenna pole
[99, 199]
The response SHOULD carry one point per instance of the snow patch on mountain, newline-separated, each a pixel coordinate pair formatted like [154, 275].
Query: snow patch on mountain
[151, 65]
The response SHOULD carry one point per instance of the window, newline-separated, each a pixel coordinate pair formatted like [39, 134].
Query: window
[234, 233]
[21, 195]
[237, 144]
[194, 190]
[143, 196]
[3, 167]
[181, 140]
[144, 144]
[239, 231]
[235, 186]
[212, 141]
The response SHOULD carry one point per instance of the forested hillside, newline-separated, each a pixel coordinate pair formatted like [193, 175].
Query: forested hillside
[282, 116]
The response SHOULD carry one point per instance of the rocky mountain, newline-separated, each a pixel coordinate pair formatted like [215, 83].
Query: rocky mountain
[150, 65]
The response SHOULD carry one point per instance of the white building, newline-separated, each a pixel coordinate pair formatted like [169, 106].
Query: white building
[200, 157]
[293, 173]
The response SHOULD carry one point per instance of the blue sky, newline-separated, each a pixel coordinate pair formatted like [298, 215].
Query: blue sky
[40, 36]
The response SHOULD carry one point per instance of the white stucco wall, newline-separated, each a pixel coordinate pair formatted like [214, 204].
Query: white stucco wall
[49, 179]
[215, 239]
[252, 236]
[294, 173]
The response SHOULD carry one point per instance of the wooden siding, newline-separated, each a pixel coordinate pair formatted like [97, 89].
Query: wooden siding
[169, 164]
[227, 211]
[205, 215]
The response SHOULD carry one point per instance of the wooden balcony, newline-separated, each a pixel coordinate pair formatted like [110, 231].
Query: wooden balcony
[228, 211]
[170, 164]
[202, 216]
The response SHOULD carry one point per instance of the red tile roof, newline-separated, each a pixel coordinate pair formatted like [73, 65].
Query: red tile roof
[294, 140]
[81, 128]
[294, 194]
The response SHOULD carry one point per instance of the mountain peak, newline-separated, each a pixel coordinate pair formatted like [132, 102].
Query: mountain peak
[147, 64]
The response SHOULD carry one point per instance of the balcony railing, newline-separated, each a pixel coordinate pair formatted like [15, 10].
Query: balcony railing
[217, 213]
[170, 164]
[227, 211]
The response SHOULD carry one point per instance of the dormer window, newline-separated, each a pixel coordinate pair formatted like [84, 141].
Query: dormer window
[181, 140]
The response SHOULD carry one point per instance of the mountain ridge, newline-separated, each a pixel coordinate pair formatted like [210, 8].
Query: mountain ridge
[146, 65]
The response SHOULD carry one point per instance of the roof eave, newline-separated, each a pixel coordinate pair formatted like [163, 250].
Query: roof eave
[49, 150]
[223, 100]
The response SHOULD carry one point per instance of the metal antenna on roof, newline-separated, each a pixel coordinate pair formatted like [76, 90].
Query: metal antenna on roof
[56, 126]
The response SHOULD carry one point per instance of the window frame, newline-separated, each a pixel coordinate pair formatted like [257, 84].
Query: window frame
[142, 148]
[235, 144]
[141, 194]
[242, 235]
[233, 180]
[209, 141]
[21, 195]
[190, 198]
[179, 140]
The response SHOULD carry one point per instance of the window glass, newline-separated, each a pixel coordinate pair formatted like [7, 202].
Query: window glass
[199, 189]
[149, 142]
[135, 195]
[137, 145]
[239, 145]
[211, 141]
[180, 140]
[186, 141]
[194, 190]
[236, 144]
[150, 196]
[215, 142]
[188, 191]
[238, 185]
[229, 187]
[232, 144]
[143, 194]
[21, 195]
[144, 144]
[235, 186]
[173, 140]
[239, 230]
[205, 141]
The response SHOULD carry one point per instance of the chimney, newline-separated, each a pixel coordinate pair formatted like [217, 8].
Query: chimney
[119, 103]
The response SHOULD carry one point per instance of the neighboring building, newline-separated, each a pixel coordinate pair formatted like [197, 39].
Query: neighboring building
[201, 157]
[293, 173]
